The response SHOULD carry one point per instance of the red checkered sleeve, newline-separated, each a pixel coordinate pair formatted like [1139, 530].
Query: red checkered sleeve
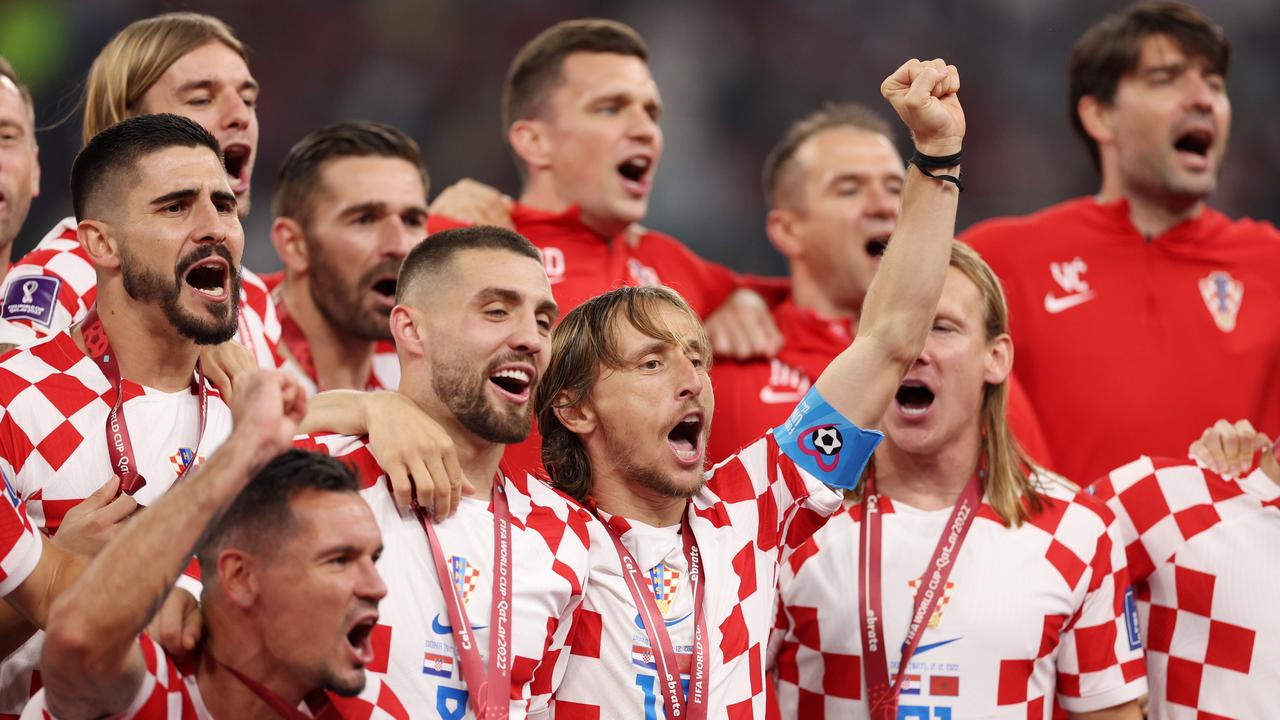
[20, 545]
[54, 304]
[764, 492]
[1100, 660]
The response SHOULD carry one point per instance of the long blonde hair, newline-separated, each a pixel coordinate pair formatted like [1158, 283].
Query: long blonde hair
[136, 58]
[1010, 489]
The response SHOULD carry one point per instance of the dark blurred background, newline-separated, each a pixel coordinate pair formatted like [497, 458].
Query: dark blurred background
[733, 74]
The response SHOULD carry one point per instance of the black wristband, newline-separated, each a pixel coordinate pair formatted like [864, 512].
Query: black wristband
[936, 162]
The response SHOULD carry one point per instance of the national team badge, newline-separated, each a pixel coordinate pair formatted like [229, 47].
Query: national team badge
[936, 619]
[1223, 296]
[184, 458]
[437, 664]
[665, 581]
[465, 577]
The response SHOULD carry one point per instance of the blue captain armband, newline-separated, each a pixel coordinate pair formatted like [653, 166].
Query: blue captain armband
[825, 443]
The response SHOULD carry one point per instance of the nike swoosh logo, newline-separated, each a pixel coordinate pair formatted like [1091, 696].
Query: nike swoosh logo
[1054, 305]
[922, 649]
[668, 623]
[779, 397]
[440, 628]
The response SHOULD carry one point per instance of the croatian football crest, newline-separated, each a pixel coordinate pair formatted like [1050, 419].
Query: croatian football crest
[665, 582]
[936, 619]
[183, 459]
[1223, 296]
[465, 577]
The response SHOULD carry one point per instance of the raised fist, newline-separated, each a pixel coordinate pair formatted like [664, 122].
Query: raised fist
[266, 412]
[924, 94]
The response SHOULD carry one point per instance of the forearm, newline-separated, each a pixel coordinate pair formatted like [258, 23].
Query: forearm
[337, 411]
[94, 626]
[903, 297]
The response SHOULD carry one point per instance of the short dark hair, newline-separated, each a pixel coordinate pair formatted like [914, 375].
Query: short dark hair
[432, 255]
[831, 115]
[260, 517]
[536, 68]
[300, 173]
[6, 70]
[1111, 49]
[119, 148]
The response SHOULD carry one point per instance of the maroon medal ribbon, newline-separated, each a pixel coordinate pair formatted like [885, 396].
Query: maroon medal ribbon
[318, 701]
[882, 698]
[119, 445]
[664, 654]
[490, 687]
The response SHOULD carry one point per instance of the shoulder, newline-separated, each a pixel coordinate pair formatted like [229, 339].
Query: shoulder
[352, 450]
[56, 253]
[54, 355]
[994, 233]
[1067, 505]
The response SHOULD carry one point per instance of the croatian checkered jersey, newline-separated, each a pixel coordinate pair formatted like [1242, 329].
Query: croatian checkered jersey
[167, 693]
[1029, 613]
[1202, 553]
[413, 641]
[54, 402]
[52, 287]
[756, 507]
[20, 546]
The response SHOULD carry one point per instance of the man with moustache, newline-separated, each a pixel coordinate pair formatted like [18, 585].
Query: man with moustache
[582, 115]
[685, 563]
[183, 63]
[19, 158]
[833, 185]
[483, 599]
[350, 203]
[1141, 299]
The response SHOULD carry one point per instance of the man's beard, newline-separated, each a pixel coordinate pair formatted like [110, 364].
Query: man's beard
[148, 287]
[645, 477]
[340, 301]
[465, 393]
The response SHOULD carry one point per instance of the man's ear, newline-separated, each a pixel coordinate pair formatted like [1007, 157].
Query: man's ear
[531, 143]
[780, 227]
[1095, 116]
[98, 243]
[579, 419]
[291, 244]
[236, 577]
[407, 331]
[999, 360]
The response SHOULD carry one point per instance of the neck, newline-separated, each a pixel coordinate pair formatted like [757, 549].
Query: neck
[343, 361]
[1151, 216]
[479, 458]
[226, 696]
[616, 496]
[927, 481]
[148, 349]
[807, 294]
[541, 193]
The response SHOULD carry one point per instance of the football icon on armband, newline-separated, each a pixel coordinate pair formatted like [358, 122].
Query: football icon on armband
[827, 440]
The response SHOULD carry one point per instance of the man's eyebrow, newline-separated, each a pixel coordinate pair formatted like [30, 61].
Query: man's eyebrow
[210, 83]
[183, 194]
[373, 206]
[498, 293]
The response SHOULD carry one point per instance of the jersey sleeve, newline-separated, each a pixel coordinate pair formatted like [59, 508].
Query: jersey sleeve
[44, 294]
[20, 545]
[705, 284]
[1100, 660]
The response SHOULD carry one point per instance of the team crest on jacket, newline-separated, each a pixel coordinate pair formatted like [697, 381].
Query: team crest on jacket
[665, 582]
[184, 458]
[1223, 296]
[465, 577]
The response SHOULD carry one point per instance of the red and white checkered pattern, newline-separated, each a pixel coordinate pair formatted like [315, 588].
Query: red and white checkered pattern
[20, 546]
[1036, 612]
[550, 561]
[745, 524]
[59, 255]
[1202, 553]
[54, 403]
[168, 694]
